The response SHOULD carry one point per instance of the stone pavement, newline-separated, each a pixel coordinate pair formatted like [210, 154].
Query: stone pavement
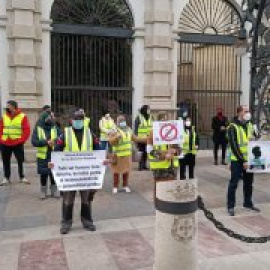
[124, 240]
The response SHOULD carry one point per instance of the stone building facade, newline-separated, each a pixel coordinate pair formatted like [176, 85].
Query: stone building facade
[25, 70]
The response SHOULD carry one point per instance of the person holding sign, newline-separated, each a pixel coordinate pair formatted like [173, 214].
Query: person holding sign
[190, 149]
[77, 138]
[240, 132]
[44, 138]
[121, 142]
[163, 158]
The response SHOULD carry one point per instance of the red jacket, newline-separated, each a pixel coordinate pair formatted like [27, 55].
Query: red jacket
[25, 131]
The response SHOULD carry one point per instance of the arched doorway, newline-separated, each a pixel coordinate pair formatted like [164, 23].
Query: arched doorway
[209, 70]
[91, 58]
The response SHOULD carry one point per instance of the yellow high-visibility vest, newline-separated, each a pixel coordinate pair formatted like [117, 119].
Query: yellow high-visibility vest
[124, 147]
[12, 128]
[43, 150]
[71, 142]
[106, 124]
[186, 149]
[87, 121]
[156, 164]
[242, 140]
[145, 126]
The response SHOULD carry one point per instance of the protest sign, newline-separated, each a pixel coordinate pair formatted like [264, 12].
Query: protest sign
[170, 132]
[78, 171]
[259, 156]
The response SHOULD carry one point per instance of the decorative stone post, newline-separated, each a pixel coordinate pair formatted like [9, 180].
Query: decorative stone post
[176, 235]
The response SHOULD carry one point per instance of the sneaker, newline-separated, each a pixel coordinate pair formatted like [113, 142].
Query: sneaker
[127, 189]
[5, 182]
[24, 181]
[231, 212]
[115, 190]
[253, 208]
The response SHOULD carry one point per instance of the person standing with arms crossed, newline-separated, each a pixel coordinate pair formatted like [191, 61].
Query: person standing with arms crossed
[14, 132]
[240, 132]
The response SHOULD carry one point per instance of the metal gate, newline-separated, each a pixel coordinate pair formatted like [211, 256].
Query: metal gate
[91, 62]
[209, 70]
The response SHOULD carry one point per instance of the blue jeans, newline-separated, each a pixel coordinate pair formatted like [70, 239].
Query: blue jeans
[238, 172]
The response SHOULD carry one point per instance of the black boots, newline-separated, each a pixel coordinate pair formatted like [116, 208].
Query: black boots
[86, 217]
[67, 214]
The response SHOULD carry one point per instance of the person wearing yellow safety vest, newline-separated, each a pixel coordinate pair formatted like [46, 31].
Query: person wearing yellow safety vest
[77, 138]
[106, 126]
[163, 158]
[142, 129]
[44, 138]
[190, 149]
[121, 143]
[14, 132]
[240, 132]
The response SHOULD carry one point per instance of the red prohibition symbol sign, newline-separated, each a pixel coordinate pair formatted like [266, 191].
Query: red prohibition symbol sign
[168, 132]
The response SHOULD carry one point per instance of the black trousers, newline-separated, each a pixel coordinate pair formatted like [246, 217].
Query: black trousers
[87, 197]
[18, 152]
[238, 172]
[188, 161]
[143, 161]
[223, 149]
[44, 179]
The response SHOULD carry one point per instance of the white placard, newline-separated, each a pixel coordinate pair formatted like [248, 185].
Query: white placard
[78, 171]
[169, 132]
[259, 156]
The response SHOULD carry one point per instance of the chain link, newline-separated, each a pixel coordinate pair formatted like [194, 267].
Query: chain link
[247, 239]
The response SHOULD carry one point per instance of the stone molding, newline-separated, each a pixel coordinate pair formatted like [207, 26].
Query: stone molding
[158, 16]
[159, 41]
[165, 66]
[157, 91]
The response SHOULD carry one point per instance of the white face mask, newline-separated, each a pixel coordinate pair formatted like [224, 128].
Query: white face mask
[122, 124]
[247, 116]
[188, 123]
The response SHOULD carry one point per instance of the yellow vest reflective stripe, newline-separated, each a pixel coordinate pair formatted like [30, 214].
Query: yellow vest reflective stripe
[106, 124]
[12, 128]
[87, 121]
[71, 142]
[186, 149]
[145, 126]
[242, 140]
[156, 164]
[124, 147]
[42, 151]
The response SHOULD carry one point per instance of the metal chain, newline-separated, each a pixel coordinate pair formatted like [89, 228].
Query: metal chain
[210, 216]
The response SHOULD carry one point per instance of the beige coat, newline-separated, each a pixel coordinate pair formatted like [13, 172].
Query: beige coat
[123, 164]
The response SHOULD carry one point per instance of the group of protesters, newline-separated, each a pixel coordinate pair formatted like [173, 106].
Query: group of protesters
[117, 138]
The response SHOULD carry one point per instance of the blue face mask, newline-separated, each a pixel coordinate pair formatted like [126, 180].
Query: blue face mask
[77, 124]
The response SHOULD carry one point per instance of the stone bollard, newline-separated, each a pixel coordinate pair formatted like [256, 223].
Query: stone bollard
[176, 235]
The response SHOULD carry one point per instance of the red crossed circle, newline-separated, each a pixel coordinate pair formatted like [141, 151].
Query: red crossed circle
[168, 132]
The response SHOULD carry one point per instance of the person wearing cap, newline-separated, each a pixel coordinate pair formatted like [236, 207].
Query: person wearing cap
[14, 132]
[44, 138]
[219, 126]
[143, 126]
[190, 149]
[77, 138]
[106, 126]
[121, 141]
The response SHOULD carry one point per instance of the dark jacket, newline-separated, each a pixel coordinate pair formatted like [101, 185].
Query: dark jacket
[219, 136]
[42, 165]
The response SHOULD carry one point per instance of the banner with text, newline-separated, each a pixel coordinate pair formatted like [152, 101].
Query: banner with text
[78, 171]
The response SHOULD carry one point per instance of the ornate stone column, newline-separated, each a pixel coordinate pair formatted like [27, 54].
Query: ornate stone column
[24, 33]
[159, 86]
